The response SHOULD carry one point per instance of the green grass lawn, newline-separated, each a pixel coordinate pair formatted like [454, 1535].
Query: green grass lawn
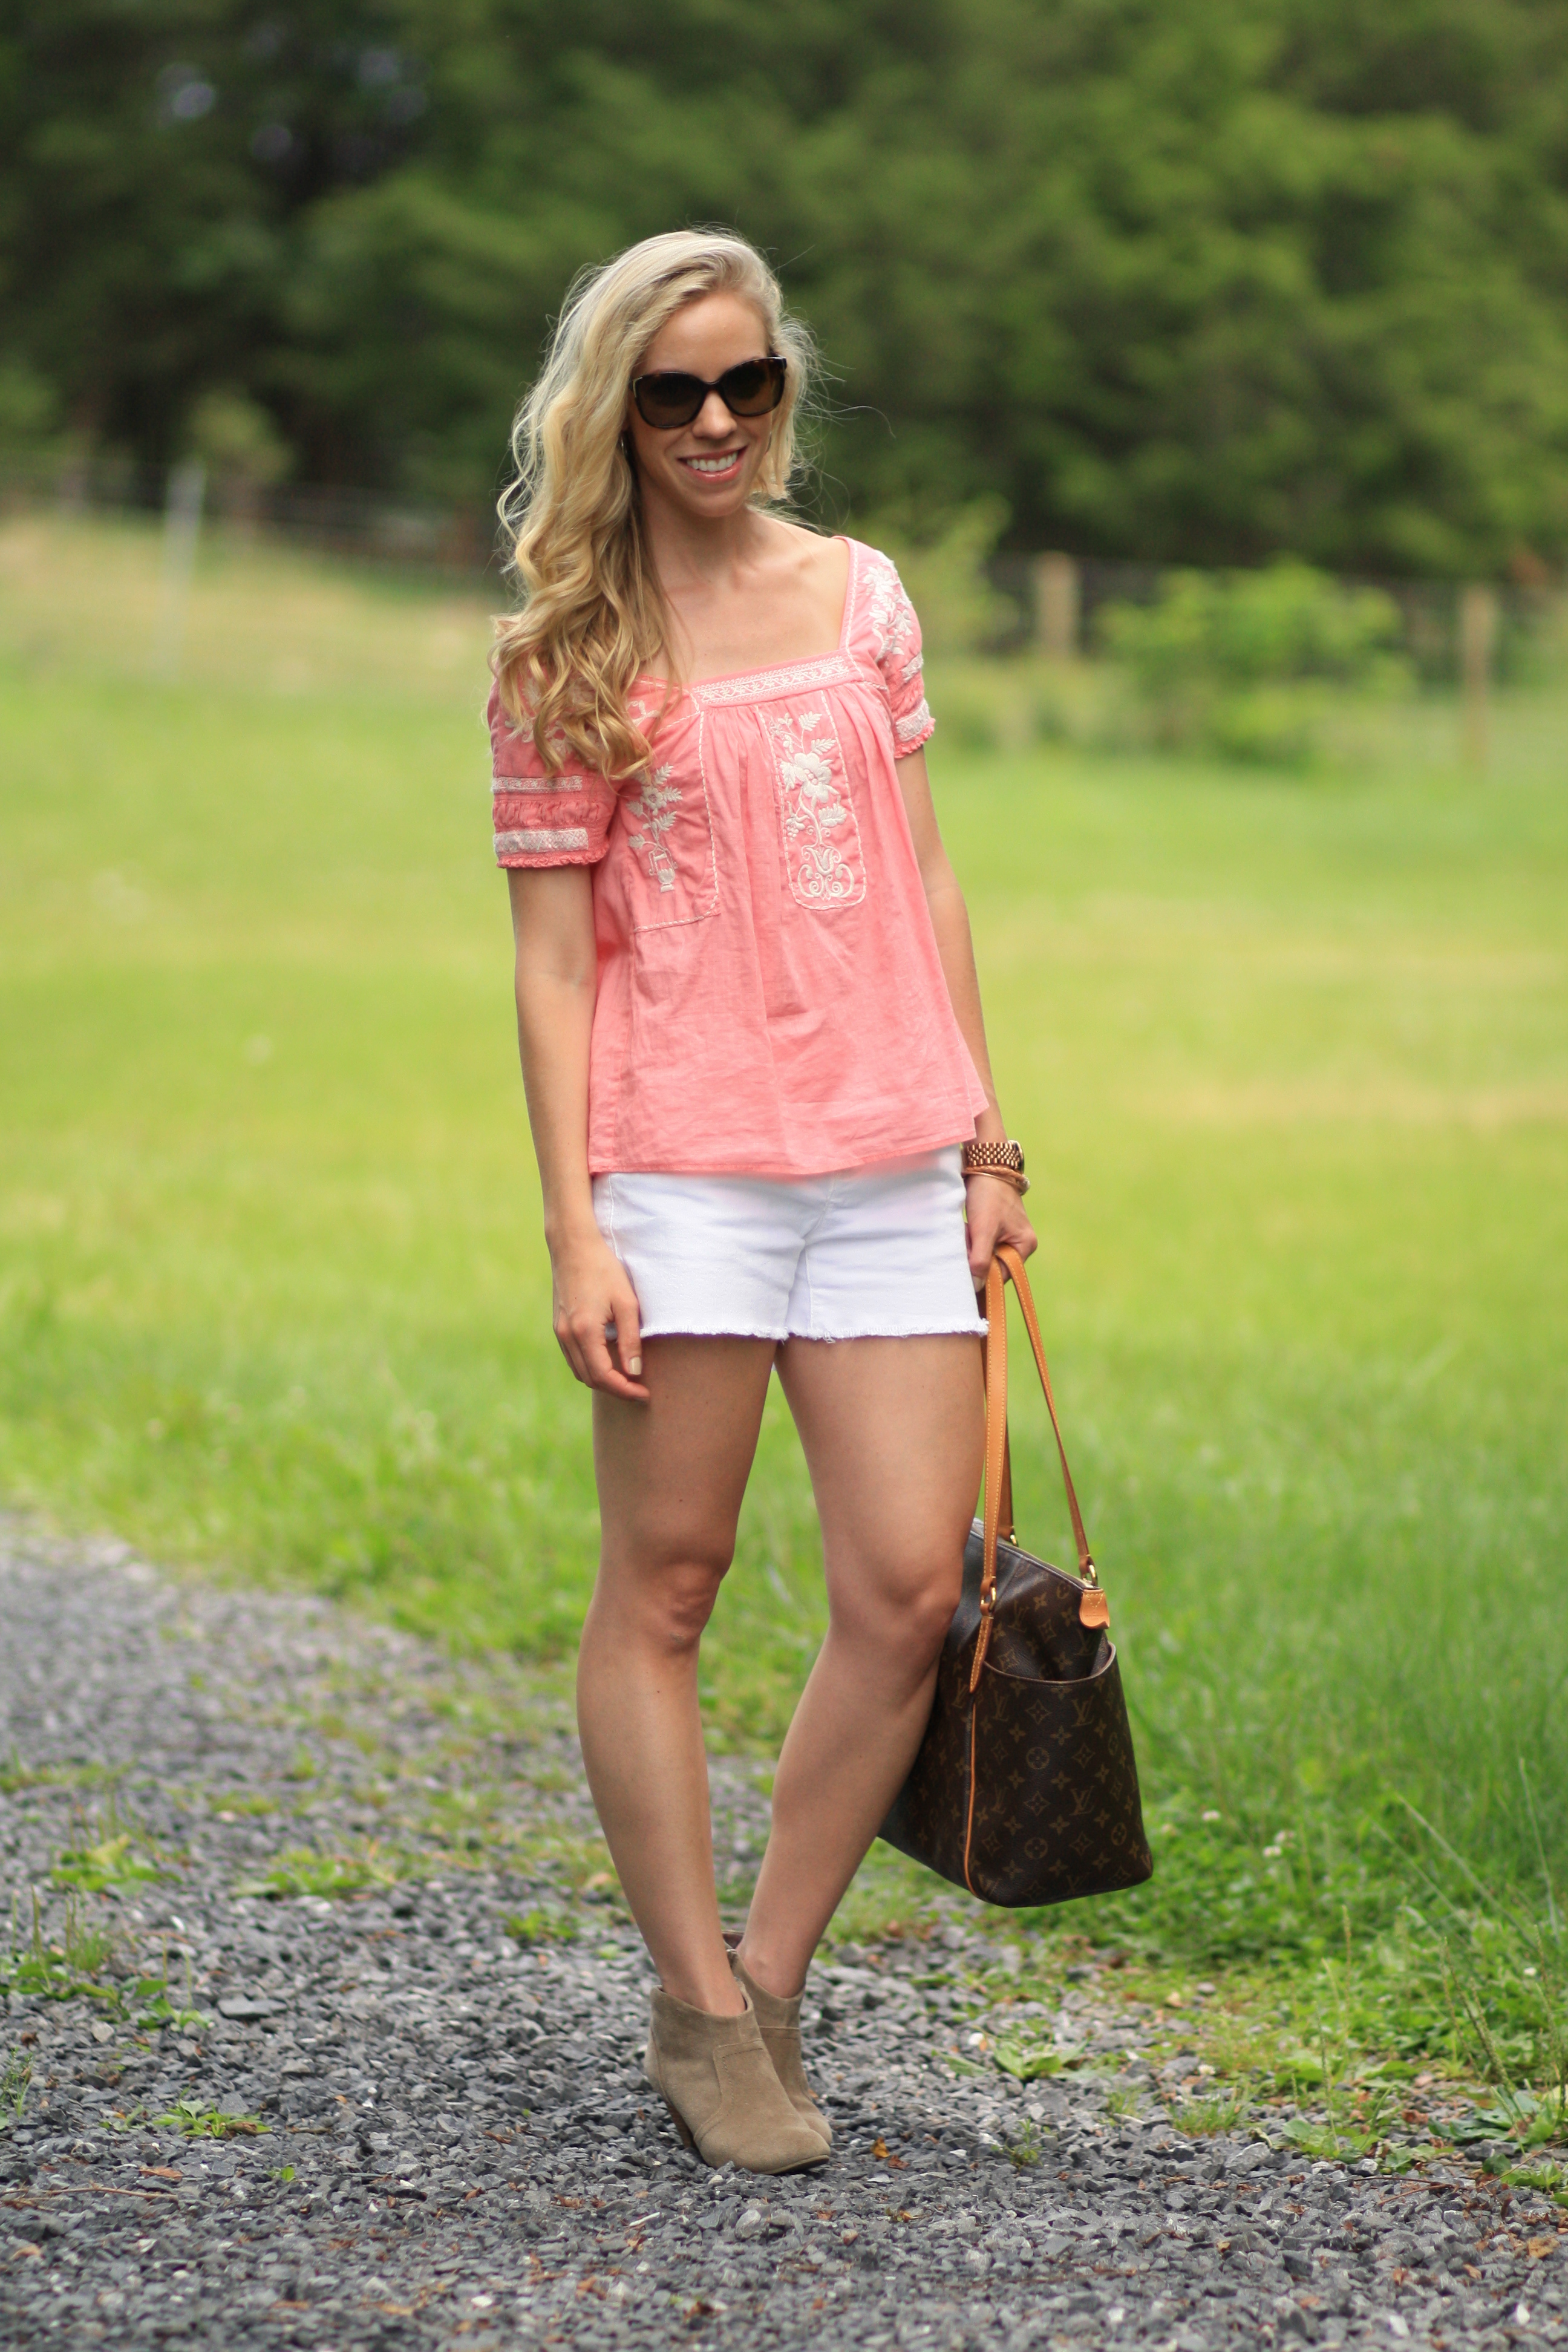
[1291, 1060]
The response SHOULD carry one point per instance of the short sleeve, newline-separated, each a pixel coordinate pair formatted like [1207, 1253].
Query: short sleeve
[895, 634]
[542, 819]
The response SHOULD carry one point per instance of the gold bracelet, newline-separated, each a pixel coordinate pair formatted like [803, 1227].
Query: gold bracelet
[1013, 1176]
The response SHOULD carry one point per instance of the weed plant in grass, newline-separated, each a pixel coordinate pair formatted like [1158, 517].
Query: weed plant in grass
[108, 1852]
[1291, 1064]
[82, 1962]
[16, 2081]
[306, 1870]
[199, 2120]
[70, 1967]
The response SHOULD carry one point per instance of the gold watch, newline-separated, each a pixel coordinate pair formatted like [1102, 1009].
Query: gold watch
[1003, 1160]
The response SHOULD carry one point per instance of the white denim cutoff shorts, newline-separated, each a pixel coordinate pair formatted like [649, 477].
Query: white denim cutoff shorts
[870, 1253]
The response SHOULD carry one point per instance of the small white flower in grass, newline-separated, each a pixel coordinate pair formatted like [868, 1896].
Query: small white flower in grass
[1272, 1853]
[1210, 1815]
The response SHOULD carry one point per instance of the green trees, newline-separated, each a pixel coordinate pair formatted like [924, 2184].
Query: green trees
[158, 162]
[1171, 278]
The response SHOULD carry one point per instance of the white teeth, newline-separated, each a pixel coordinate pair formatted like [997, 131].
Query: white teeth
[714, 465]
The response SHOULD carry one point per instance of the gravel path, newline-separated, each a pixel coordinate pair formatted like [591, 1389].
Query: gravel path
[425, 2049]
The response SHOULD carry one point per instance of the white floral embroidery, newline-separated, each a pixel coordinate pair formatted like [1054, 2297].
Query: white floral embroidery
[822, 841]
[917, 725]
[655, 806]
[891, 617]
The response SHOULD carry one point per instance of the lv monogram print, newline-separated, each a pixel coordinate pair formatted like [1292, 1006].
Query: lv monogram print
[1027, 1792]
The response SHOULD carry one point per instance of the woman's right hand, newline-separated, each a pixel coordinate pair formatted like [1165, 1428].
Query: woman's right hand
[592, 1291]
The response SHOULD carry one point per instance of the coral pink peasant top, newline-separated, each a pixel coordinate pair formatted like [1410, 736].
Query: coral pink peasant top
[770, 999]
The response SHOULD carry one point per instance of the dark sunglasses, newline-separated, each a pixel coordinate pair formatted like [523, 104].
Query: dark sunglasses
[671, 399]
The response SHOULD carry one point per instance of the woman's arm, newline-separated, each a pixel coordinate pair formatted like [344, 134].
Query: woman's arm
[996, 1210]
[553, 925]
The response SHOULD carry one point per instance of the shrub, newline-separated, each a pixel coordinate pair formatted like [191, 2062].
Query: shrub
[1238, 663]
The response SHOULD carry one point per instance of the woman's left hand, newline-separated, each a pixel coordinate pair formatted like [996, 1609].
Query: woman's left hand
[996, 1214]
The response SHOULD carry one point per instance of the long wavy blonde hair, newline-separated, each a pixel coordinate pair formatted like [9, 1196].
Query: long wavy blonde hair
[593, 619]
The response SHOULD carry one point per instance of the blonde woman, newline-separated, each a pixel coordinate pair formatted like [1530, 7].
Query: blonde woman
[758, 1086]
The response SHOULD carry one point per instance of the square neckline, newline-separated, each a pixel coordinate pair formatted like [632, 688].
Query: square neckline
[775, 669]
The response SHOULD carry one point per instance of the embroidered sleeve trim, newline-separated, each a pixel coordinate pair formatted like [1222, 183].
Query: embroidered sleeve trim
[917, 726]
[542, 842]
[543, 783]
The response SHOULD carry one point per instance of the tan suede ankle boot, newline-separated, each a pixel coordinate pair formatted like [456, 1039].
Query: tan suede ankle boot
[716, 2080]
[778, 2023]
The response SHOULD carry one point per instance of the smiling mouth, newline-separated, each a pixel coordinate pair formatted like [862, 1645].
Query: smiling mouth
[724, 464]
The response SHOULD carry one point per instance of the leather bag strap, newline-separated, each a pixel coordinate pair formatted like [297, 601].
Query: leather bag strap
[997, 1520]
[1015, 1265]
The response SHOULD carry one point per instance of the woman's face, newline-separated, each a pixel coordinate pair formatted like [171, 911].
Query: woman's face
[705, 469]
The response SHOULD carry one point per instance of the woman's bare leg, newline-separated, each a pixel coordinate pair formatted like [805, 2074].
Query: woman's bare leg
[894, 1435]
[671, 1473]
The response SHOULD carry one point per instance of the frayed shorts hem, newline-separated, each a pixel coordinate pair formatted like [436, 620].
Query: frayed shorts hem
[976, 1328]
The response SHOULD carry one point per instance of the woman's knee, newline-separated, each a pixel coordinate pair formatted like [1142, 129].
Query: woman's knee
[666, 1593]
[930, 1614]
[906, 1611]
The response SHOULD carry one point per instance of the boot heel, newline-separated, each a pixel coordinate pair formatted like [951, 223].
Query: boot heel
[681, 2126]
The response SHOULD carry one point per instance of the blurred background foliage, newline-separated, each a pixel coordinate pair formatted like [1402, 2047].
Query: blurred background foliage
[1192, 282]
[1242, 665]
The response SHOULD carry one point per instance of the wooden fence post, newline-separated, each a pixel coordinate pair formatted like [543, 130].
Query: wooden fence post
[1056, 607]
[1477, 644]
[181, 528]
